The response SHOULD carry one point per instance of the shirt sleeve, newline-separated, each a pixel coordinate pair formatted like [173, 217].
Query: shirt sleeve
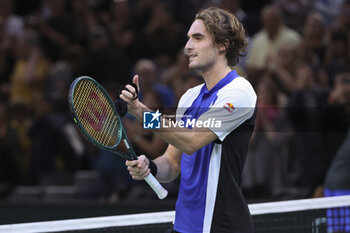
[230, 110]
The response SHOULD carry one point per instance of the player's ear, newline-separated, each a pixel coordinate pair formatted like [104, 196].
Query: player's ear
[224, 46]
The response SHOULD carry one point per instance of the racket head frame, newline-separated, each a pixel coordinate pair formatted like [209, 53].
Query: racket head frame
[76, 120]
[150, 179]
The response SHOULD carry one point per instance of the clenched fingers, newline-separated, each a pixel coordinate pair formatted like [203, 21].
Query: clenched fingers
[139, 168]
[138, 173]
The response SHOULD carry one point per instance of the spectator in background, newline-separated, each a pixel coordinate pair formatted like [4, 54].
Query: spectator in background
[282, 69]
[30, 71]
[4, 70]
[142, 15]
[186, 9]
[274, 34]
[120, 13]
[9, 152]
[338, 176]
[253, 11]
[294, 12]
[337, 55]
[163, 37]
[343, 19]
[11, 29]
[329, 9]
[63, 72]
[266, 169]
[266, 43]
[12, 24]
[51, 150]
[149, 81]
[20, 122]
[313, 46]
[83, 19]
[122, 28]
[6, 65]
[56, 28]
[306, 109]
[102, 56]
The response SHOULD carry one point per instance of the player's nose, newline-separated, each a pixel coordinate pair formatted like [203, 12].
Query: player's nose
[188, 47]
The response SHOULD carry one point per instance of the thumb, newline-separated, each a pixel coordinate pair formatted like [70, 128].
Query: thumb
[135, 80]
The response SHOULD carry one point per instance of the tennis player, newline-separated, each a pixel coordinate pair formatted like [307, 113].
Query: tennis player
[211, 159]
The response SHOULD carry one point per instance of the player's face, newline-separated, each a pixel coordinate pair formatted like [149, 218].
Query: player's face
[200, 48]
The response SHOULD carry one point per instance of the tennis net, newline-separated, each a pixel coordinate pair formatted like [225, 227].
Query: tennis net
[317, 215]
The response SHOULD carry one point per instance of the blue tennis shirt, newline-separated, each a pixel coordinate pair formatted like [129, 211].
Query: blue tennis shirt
[204, 177]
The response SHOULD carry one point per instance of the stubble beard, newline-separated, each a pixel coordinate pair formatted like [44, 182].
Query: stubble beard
[202, 66]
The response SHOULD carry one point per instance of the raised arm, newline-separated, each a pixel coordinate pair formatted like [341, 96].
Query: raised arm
[185, 140]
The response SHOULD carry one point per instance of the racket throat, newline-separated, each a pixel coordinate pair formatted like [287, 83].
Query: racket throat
[126, 144]
[131, 151]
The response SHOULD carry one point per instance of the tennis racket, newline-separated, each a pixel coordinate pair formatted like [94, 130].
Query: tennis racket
[95, 115]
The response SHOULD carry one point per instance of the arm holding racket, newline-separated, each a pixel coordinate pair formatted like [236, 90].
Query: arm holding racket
[168, 165]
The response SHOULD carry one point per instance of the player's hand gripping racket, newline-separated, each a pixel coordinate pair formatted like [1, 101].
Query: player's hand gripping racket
[95, 115]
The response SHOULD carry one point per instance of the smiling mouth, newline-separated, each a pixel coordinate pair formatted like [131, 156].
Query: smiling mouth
[192, 56]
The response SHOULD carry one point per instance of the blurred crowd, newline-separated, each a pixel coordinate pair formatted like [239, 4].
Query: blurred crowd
[298, 61]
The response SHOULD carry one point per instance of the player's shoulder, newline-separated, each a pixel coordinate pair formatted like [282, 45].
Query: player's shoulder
[194, 90]
[239, 83]
[190, 95]
[238, 89]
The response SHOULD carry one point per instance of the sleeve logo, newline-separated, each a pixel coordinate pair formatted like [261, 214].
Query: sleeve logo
[229, 107]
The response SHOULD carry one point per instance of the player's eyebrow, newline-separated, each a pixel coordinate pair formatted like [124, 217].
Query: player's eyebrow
[197, 35]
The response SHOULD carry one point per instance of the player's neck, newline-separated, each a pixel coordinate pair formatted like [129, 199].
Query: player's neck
[217, 72]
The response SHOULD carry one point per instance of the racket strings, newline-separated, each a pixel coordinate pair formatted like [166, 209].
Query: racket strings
[96, 114]
[106, 137]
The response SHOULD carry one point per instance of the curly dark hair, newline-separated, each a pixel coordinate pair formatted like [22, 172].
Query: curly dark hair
[226, 29]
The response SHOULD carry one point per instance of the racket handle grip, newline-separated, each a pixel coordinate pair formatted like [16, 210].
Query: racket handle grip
[156, 186]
